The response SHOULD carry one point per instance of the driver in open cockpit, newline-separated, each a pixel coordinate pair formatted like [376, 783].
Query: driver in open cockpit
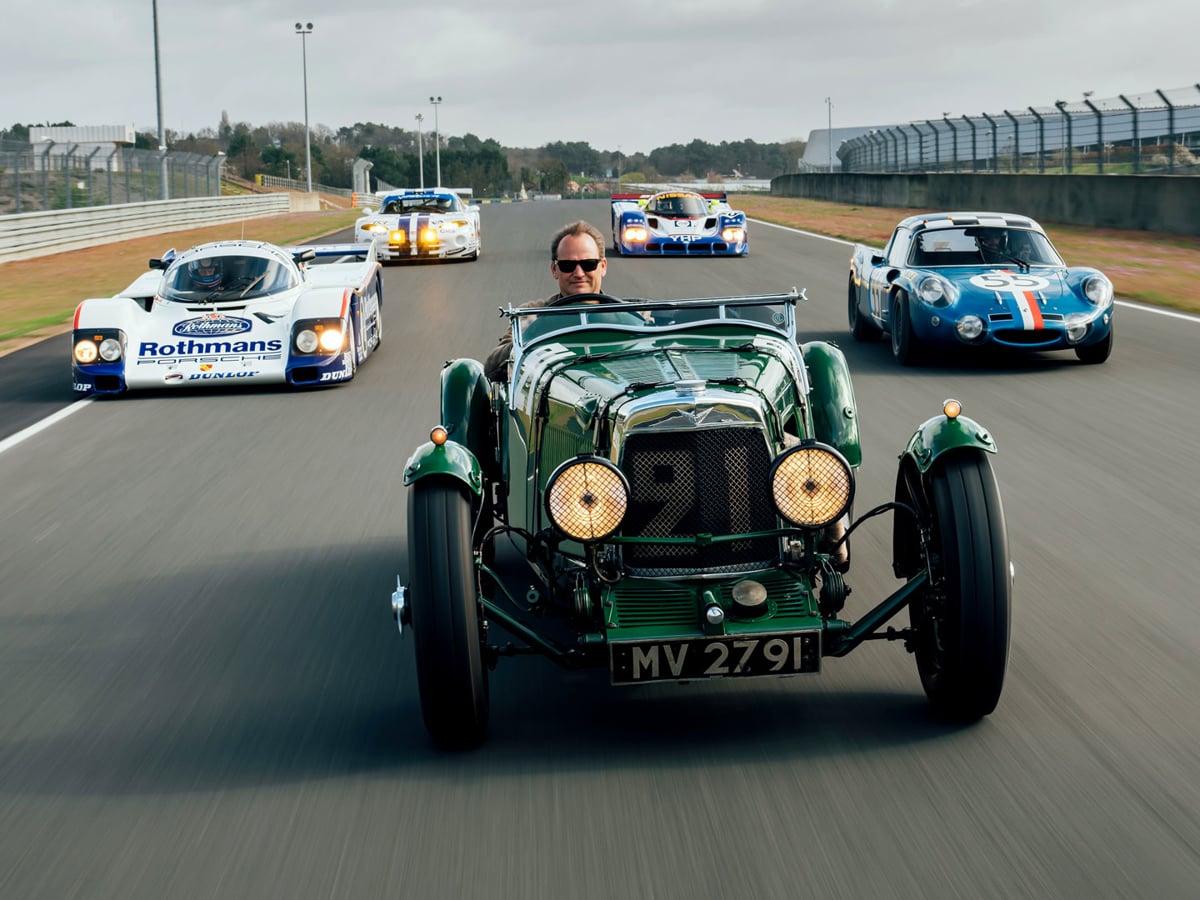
[578, 264]
[206, 273]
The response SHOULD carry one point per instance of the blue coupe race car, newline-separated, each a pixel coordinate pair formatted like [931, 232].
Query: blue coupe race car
[977, 279]
[677, 223]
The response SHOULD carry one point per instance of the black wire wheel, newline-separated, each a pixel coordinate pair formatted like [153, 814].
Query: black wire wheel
[961, 622]
[447, 622]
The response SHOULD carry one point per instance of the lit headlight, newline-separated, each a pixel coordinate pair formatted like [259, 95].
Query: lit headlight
[1098, 290]
[323, 336]
[86, 352]
[635, 234]
[98, 348]
[110, 349]
[586, 498]
[428, 235]
[331, 339]
[375, 228]
[935, 291]
[812, 485]
[397, 237]
[733, 235]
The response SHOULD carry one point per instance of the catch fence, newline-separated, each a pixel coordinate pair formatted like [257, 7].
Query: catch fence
[1151, 133]
[53, 176]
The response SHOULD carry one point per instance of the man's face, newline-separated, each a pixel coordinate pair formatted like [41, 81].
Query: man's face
[575, 247]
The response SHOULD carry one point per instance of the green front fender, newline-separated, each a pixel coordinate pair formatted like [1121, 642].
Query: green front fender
[942, 434]
[450, 459]
[467, 405]
[834, 412]
[936, 438]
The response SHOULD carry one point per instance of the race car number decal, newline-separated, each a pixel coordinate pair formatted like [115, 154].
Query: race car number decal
[1009, 281]
[1020, 287]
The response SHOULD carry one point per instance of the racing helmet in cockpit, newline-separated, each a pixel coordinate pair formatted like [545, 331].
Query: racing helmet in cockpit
[205, 272]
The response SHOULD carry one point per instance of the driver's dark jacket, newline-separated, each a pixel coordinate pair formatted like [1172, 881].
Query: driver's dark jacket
[496, 364]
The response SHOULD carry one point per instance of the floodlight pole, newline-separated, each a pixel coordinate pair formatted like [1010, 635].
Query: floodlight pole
[437, 138]
[420, 150]
[304, 30]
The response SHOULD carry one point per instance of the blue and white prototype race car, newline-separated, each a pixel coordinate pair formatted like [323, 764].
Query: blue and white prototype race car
[677, 223]
[233, 312]
[430, 224]
[977, 279]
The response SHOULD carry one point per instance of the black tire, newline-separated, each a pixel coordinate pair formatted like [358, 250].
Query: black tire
[1094, 354]
[906, 346]
[962, 621]
[452, 676]
[862, 328]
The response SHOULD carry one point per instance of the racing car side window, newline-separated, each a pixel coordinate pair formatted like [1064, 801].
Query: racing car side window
[898, 250]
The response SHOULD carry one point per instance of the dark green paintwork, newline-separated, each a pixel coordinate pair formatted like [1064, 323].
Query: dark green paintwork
[834, 412]
[449, 459]
[940, 434]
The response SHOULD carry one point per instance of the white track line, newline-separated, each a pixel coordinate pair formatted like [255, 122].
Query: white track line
[1170, 313]
[12, 440]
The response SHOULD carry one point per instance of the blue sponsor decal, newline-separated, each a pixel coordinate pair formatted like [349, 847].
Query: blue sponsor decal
[207, 348]
[214, 325]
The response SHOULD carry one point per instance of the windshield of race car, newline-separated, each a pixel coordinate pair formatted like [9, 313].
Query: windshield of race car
[405, 205]
[975, 245]
[775, 313]
[679, 205]
[218, 278]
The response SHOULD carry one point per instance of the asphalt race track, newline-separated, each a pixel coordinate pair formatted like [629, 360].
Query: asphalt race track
[202, 693]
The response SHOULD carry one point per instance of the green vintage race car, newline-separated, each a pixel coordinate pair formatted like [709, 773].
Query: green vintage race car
[664, 489]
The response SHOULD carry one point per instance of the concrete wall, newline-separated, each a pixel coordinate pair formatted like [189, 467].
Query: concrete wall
[1166, 203]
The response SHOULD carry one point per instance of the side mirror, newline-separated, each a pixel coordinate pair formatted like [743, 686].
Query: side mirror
[165, 261]
[367, 211]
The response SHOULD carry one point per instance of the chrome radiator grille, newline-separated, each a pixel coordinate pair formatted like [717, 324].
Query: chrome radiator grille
[706, 481]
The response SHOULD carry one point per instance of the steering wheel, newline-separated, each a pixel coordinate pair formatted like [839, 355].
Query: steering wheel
[572, 299]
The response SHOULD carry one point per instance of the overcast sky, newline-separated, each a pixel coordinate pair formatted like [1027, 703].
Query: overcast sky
[617, 74]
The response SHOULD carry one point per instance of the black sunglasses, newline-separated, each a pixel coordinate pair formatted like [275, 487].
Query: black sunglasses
[567, 266]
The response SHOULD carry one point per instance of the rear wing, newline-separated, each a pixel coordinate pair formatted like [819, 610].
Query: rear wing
[366, 252]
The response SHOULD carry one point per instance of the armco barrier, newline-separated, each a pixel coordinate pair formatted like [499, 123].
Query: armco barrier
[1163, 203]
[42, 233]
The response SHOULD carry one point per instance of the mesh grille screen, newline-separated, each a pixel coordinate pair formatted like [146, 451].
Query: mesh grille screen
[713, 481]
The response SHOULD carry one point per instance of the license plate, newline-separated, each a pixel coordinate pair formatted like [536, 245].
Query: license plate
[730, 656]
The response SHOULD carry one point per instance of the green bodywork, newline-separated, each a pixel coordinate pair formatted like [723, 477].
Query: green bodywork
[450, 459]
[588, 387]
[942, 434]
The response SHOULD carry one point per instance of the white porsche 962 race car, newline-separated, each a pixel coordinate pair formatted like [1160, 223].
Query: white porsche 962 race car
[678, 222]
[427, 224]
[233, 311]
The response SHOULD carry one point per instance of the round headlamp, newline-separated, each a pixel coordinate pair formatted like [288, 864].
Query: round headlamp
[331, 340]
[306, 340]
[1098, 290]
[812, 485]
[586, 498]
[110, 349]
[85, 352]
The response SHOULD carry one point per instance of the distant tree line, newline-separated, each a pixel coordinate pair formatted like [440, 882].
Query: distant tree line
[278, 148]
